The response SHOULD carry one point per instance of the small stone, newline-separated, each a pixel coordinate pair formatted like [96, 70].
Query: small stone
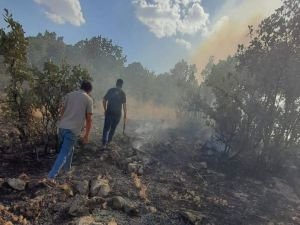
[104, 190]
[193, 216]
[117, 202]
[82, 187]
[85, 220]
[100, 187]
[152, 209]
[140, 171]
[16, 184]
[112, 222]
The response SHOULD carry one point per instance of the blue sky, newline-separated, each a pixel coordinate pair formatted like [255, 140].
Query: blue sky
[157, 33]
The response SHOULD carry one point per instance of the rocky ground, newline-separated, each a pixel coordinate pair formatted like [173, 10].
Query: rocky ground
[155, 174]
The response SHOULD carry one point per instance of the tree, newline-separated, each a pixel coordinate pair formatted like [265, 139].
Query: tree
[13, 46]
[256, 108]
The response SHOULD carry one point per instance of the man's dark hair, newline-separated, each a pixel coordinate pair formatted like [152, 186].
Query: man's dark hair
[86, 86]
[119, 83]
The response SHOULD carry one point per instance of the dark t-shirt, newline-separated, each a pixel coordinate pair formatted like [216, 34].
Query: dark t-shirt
[115, 97]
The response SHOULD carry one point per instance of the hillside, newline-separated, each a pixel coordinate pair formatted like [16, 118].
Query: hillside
[156, 174]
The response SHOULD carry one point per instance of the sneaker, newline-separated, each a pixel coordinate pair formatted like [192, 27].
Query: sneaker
[49, 182]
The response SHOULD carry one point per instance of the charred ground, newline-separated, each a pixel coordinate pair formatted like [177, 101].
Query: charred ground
[156, 174]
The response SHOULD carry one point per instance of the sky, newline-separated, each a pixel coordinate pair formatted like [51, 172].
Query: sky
[157, 33]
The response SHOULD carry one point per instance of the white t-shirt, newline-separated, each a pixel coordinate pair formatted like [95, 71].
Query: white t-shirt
[76, 105]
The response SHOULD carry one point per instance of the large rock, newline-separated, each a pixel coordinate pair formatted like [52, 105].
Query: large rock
[16, 184]
[100, 187]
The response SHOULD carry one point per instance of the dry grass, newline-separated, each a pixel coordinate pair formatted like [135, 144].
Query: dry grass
[140, 186]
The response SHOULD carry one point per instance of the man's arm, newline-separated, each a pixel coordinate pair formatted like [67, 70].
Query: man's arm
[104, 102]
[125, 116]
[124, 107]
[125, 111]
[88, 127]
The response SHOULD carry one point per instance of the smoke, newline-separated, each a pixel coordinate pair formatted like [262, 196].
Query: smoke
[231, 28]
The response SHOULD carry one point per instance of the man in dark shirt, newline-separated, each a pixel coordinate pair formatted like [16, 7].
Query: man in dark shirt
[113, 101]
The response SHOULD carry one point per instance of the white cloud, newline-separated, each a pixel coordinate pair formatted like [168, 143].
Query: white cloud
[184, 43]
[167, 18]
[62, 11]
[55, 18]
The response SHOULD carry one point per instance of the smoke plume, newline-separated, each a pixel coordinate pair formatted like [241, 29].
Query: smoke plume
[231, 28]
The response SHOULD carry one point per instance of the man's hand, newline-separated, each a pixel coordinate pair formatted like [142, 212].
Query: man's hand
[88, 127]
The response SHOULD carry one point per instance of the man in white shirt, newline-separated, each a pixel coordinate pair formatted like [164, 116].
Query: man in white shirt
[77, 110]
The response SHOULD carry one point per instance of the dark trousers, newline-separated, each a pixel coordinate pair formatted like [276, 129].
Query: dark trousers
[110, 124]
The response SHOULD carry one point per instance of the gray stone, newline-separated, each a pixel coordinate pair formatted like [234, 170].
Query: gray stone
[152, 209]
[192, 216]
[16, 184]
[82, 187]
[100, 187]
[104, 190]
[117, 202]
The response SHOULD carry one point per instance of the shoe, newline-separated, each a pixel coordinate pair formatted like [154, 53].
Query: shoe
[49, 182]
